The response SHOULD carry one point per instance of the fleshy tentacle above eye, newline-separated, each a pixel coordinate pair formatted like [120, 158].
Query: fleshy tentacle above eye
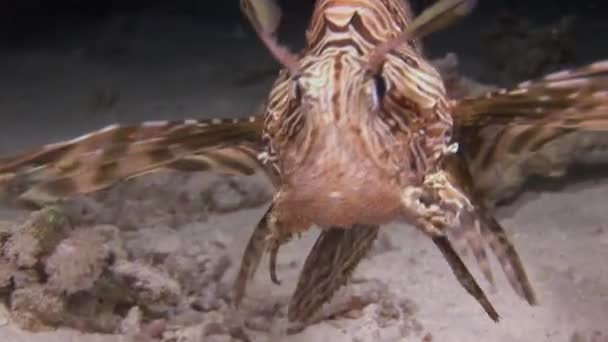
[265, 17]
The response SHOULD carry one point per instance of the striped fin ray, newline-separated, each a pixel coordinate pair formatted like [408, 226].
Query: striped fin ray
[539, 128]
[503, 157]
[439, 16]
[70, 151]
[576, 98]
[481, 228]
[435, 18]
[236, 160]
[329, 266]
[99, 159]
[265, 17]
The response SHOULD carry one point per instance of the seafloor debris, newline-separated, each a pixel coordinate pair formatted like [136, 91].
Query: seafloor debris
[54, 273]
[36, 238]
[130, 259]
[164, 198]
[377, 312]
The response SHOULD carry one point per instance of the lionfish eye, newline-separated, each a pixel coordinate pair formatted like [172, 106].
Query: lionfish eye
[297, 88]
[379, 87]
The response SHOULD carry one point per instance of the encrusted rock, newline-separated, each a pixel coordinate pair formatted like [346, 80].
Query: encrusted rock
[149, 286]
[131, 324]
[77, 262]
[36, 309]
[37, 237]
[7, 269]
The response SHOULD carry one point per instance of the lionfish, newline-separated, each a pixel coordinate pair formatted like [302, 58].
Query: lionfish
[357, 132]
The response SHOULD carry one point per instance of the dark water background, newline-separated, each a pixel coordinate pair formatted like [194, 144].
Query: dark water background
[54, 55]
[24, 20]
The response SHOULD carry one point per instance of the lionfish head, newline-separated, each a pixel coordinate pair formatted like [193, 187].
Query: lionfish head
[333, 84]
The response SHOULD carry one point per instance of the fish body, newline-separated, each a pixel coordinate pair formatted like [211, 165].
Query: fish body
[346, 139]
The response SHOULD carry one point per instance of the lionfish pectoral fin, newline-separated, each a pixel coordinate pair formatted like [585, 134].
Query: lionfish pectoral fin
[576, 98]
[329, 266]
[99, 159]
[252, 255]
[268, 236]
[509, 259]
[441, 206]
[464, 277]
[275, 240]
[538, 128]
[489, 231]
